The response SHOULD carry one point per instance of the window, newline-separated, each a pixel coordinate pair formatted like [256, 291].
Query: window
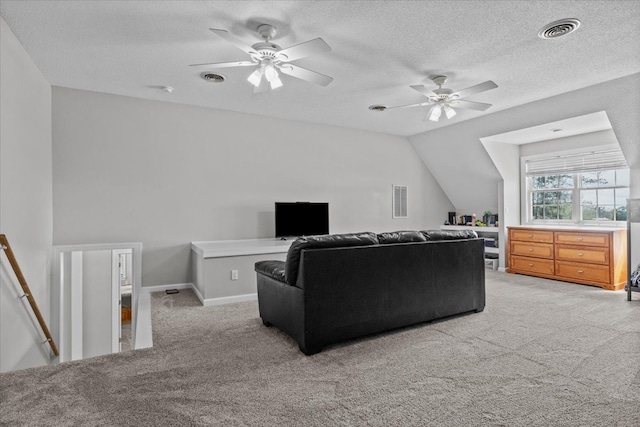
[604, 194]
[583, 187]
[551, 196]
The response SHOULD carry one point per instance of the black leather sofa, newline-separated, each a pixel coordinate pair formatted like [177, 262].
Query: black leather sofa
[334, 288]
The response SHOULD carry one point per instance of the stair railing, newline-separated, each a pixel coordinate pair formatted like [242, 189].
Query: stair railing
[4, 243]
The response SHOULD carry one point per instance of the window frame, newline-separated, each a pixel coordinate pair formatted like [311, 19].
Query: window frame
[576, 202]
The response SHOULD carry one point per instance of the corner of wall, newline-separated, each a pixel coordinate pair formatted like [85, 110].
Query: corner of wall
[26, 201]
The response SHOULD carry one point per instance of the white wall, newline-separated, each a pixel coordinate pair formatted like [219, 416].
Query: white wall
[506, 158]
[575, 142]
[25, 201]
[127, 169]
[96, 303]
[464, 170]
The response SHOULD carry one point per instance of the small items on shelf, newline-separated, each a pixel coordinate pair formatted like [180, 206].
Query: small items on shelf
[488, 220]
[473, 221]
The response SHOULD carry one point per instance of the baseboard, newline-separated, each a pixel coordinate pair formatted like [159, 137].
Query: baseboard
[195, 290]
[162, 288]
[229, 300]
[206, 302]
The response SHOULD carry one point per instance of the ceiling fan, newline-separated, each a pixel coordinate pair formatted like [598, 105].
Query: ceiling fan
[445, 99]
[270, 59]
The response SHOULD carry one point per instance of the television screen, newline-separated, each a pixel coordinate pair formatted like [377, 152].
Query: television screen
[301, 219]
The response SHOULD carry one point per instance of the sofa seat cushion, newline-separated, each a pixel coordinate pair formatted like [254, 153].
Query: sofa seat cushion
[323, 241]
[273, 269]
[401, 237]
[434, 235]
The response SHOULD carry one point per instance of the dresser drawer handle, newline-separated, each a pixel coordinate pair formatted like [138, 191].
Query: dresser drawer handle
[580, 254]
[530, 249]
[580, 271]
[530, 265]
[530, 235]
[580, 239]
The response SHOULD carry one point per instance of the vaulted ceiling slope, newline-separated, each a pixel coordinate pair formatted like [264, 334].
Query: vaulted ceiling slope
[379, 48]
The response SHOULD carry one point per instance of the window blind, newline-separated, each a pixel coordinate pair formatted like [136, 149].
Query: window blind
[576, 163]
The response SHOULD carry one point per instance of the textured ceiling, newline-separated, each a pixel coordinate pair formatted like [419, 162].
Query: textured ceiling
[379, 48]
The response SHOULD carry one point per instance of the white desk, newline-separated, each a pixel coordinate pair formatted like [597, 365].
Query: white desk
[482, 231]
[213, 264]
[225, 248]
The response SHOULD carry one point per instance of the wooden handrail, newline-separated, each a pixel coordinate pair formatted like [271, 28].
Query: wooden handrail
[27, 292]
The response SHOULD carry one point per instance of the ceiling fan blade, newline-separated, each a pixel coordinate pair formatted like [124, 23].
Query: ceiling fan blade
[226, 64]
[410, 105]
[482, 87]
[423, 90]
[301, 50]
[479, 106]
[231, 39]
[304, 74]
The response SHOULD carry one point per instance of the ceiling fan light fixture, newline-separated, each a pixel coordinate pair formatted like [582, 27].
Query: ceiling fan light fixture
[450, 112]
[256, 77]
[271, 59]
[443, 99]
[434, 113]
[272, 76]
[275, 82]
[270, 72]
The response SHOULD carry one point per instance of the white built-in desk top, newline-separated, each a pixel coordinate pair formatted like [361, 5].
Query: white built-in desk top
[226, 248]
[469, 227]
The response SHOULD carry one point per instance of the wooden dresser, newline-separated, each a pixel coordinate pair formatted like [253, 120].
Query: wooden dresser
[588, 256]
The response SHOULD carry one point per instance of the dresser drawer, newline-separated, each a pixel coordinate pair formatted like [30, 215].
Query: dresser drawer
[538, 250]
[583, 272]
[591, 254]
[577, 238]
[533, 265]
[532, 235]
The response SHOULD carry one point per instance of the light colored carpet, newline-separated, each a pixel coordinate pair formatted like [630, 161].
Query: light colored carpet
[543, 353]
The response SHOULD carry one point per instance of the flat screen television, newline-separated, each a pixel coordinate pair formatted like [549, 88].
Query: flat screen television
[294, 219]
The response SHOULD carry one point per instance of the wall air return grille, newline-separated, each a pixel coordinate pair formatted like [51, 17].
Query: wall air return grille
[400, 209]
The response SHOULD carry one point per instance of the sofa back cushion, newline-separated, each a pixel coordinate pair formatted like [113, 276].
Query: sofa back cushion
[401, 237]
[433, 235]
[323, 241]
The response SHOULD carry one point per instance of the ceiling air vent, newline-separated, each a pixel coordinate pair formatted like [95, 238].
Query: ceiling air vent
[212, 77]
[559, 28]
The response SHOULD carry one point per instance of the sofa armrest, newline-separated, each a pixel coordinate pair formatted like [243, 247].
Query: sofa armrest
[273, 269]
